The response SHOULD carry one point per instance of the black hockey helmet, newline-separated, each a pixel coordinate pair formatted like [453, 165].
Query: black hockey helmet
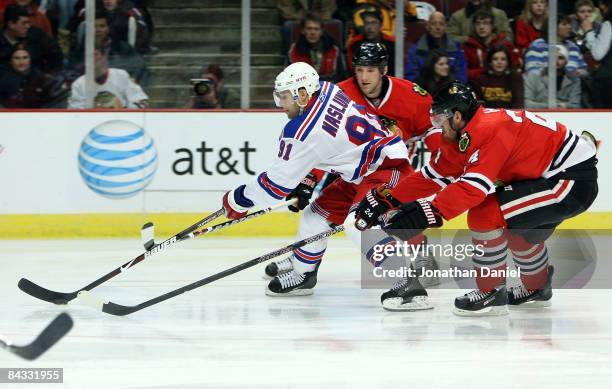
[452, 97]
[371, 54]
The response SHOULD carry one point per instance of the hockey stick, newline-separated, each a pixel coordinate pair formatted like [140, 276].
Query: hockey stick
[228, 223]
[54, 297]
[41, 293]
[123, 310]
[43, 342]
[148, 235]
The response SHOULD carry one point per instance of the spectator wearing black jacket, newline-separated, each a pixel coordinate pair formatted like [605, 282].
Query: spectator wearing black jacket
[372, 32]
[126, 23]
[22, 86]
[45, 52]
[435, 72]
[119, 53]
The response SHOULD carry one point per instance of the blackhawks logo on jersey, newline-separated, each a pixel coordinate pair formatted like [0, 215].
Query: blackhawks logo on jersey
[417, 88]
[464, 142]
[390, 125]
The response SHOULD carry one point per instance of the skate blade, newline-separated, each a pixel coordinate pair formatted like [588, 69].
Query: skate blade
[535, 304]
[499, 310]
[419, 303]
[293, 293]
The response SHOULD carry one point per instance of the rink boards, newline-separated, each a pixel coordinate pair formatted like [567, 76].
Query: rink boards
[97, 174]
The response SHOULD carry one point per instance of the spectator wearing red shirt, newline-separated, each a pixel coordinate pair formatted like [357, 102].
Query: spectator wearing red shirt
[37, 17]
[483, 38]
[4, 4]
[318, 49]
[530, 23]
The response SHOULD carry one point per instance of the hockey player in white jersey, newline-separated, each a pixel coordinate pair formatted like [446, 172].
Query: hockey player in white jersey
[404, 108]
[326, 131]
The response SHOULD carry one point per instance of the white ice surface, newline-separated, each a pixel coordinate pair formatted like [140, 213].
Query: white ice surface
[230, 335]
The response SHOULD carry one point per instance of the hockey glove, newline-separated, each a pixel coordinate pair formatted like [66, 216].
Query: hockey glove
[232, 209]
[375, 204]
[303, 193]
[412, 218]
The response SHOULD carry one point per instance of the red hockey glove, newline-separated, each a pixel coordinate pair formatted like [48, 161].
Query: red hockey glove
[233, 210]
[303, 193]
[412, 218]
[375, 204]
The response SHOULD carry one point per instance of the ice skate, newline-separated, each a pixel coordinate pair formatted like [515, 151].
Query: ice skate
[292, 283]
[280, 267]
[519, 297]
[479, 303]
[406, 294]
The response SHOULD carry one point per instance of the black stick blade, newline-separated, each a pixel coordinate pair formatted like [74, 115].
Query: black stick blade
[41, 293]
[118, 310]
[58, 328]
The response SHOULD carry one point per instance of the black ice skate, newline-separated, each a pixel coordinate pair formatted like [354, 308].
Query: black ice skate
[406, 294]
[275, 268]
[292, 283]
[520, 297]
[479, 303]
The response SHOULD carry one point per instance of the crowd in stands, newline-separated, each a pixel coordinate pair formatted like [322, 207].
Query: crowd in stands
[42, 53]
[499, 46]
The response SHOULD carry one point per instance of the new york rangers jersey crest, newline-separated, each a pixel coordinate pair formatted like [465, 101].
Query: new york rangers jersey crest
[333, 134]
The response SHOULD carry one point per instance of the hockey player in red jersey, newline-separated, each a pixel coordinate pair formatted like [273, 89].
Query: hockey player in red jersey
[403, 106]
[400, 104]
[518, 175]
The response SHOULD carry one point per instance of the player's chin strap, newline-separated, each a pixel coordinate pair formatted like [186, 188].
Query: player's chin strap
[458, 131]
[302, 107]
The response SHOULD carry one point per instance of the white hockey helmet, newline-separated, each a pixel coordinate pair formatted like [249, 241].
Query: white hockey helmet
[296, 76]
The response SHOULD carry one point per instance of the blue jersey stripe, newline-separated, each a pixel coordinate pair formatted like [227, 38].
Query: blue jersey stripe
[364, 155]
[311, 254]
[268, 191]
[272, 188]
[379, 149]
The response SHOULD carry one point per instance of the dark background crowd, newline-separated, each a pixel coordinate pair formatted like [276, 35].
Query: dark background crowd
[499, 46]
[42, 48]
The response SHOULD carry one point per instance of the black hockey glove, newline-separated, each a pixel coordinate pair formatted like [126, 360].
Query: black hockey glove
[303, 193]
[374, 205]
[412, 218]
